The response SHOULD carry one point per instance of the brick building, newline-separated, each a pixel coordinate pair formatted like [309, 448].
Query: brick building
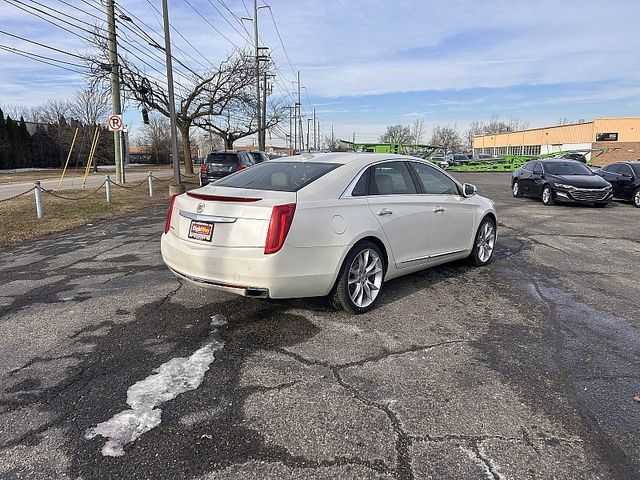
[603, 140]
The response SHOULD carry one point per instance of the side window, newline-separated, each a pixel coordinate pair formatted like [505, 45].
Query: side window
[392, 178]
[433, 181]
[528, 166]
[537, 168]
[361, 187]
[615, 168]
[626, 169]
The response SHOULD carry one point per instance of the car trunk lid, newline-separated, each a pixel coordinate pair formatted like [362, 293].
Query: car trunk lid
[237, 217]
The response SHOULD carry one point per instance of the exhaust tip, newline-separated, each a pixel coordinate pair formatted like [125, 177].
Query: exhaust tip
[257, 293]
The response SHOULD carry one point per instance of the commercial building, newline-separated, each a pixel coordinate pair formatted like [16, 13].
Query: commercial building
[603, 140]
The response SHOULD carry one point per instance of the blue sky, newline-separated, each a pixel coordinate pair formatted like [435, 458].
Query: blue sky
[369, 64]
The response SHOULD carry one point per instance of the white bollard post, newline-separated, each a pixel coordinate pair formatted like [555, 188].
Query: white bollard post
[38, 194]
[150, 179]
[107, 187]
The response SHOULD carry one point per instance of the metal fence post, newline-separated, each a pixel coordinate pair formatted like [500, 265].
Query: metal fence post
[150, 179]
[107, 187]
[38, 194]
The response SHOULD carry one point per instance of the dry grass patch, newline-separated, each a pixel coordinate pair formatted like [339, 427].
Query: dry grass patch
[18, 221]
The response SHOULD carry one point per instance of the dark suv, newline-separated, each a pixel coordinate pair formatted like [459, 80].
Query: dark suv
[223, 163]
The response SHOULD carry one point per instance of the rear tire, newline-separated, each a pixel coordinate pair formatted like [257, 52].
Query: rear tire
[547, 195]
[360, 279]
[636, 198]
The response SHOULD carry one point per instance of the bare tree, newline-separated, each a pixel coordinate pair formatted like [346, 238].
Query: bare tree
[239, 120]
[156, 136]
[397, 134]
[417, 130]
[475, 128]
[200, 95]
[446, 137]
[90, 105]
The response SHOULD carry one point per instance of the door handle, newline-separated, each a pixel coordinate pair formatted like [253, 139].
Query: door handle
[384, 211]
[438, 209]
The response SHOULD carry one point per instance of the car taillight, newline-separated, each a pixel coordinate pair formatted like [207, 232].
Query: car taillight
[281, 218]
[167, 224]
[203, 168]
[241, 167]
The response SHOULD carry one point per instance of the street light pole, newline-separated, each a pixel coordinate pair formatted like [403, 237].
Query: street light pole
[176, 187]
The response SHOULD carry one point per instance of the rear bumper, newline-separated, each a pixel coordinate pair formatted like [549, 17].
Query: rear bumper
[292, 272]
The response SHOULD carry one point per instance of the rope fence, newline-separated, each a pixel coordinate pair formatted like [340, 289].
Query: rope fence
[106, 184]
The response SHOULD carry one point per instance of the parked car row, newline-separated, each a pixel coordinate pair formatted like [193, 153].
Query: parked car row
[571, 181]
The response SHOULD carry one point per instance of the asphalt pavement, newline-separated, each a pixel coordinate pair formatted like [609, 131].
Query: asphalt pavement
[110, 367]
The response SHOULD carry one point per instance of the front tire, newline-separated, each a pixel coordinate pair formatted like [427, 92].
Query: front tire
[636, 198]
[547, 195]
[515, 190]
[484, 243]
[360, 279]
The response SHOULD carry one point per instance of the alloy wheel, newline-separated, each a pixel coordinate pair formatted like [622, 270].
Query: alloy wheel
[365, 278]
[486, 242]
[516, 189]
[636, 198]
[546, 195]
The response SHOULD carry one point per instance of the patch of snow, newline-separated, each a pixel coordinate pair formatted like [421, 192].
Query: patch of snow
[172, 378]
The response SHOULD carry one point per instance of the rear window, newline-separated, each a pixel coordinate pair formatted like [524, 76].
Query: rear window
[222, 158]
[278, 176]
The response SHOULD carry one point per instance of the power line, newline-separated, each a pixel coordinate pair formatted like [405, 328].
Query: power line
[39, 58]
[46, 46]
[47, 20]
[248, 39]
[92, 32]
[273, 18]
[212, 26]
[155, 43]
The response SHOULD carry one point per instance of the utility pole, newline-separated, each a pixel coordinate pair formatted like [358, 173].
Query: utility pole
[300, 115]
[291, 110]
[177, 187]
[309, 120]
[257, 47]
[315, 143]
[264, 109]
[116, 107]
[333, 138]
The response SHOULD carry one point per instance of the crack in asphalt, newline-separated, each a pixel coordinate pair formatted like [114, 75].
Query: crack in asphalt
[404, 441]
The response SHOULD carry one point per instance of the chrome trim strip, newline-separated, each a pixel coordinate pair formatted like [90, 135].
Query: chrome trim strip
[206, 218]
[436, 255]
[416, 259]
[446, 253]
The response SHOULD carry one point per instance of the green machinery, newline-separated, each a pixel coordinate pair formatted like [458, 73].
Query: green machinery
[397, 148]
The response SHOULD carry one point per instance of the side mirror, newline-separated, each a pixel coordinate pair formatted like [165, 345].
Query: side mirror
[469, 190]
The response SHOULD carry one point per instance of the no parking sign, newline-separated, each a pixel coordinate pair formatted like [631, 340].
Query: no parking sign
[115, 123]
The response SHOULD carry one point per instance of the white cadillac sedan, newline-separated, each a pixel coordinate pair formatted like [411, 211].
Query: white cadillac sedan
[336, 224]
